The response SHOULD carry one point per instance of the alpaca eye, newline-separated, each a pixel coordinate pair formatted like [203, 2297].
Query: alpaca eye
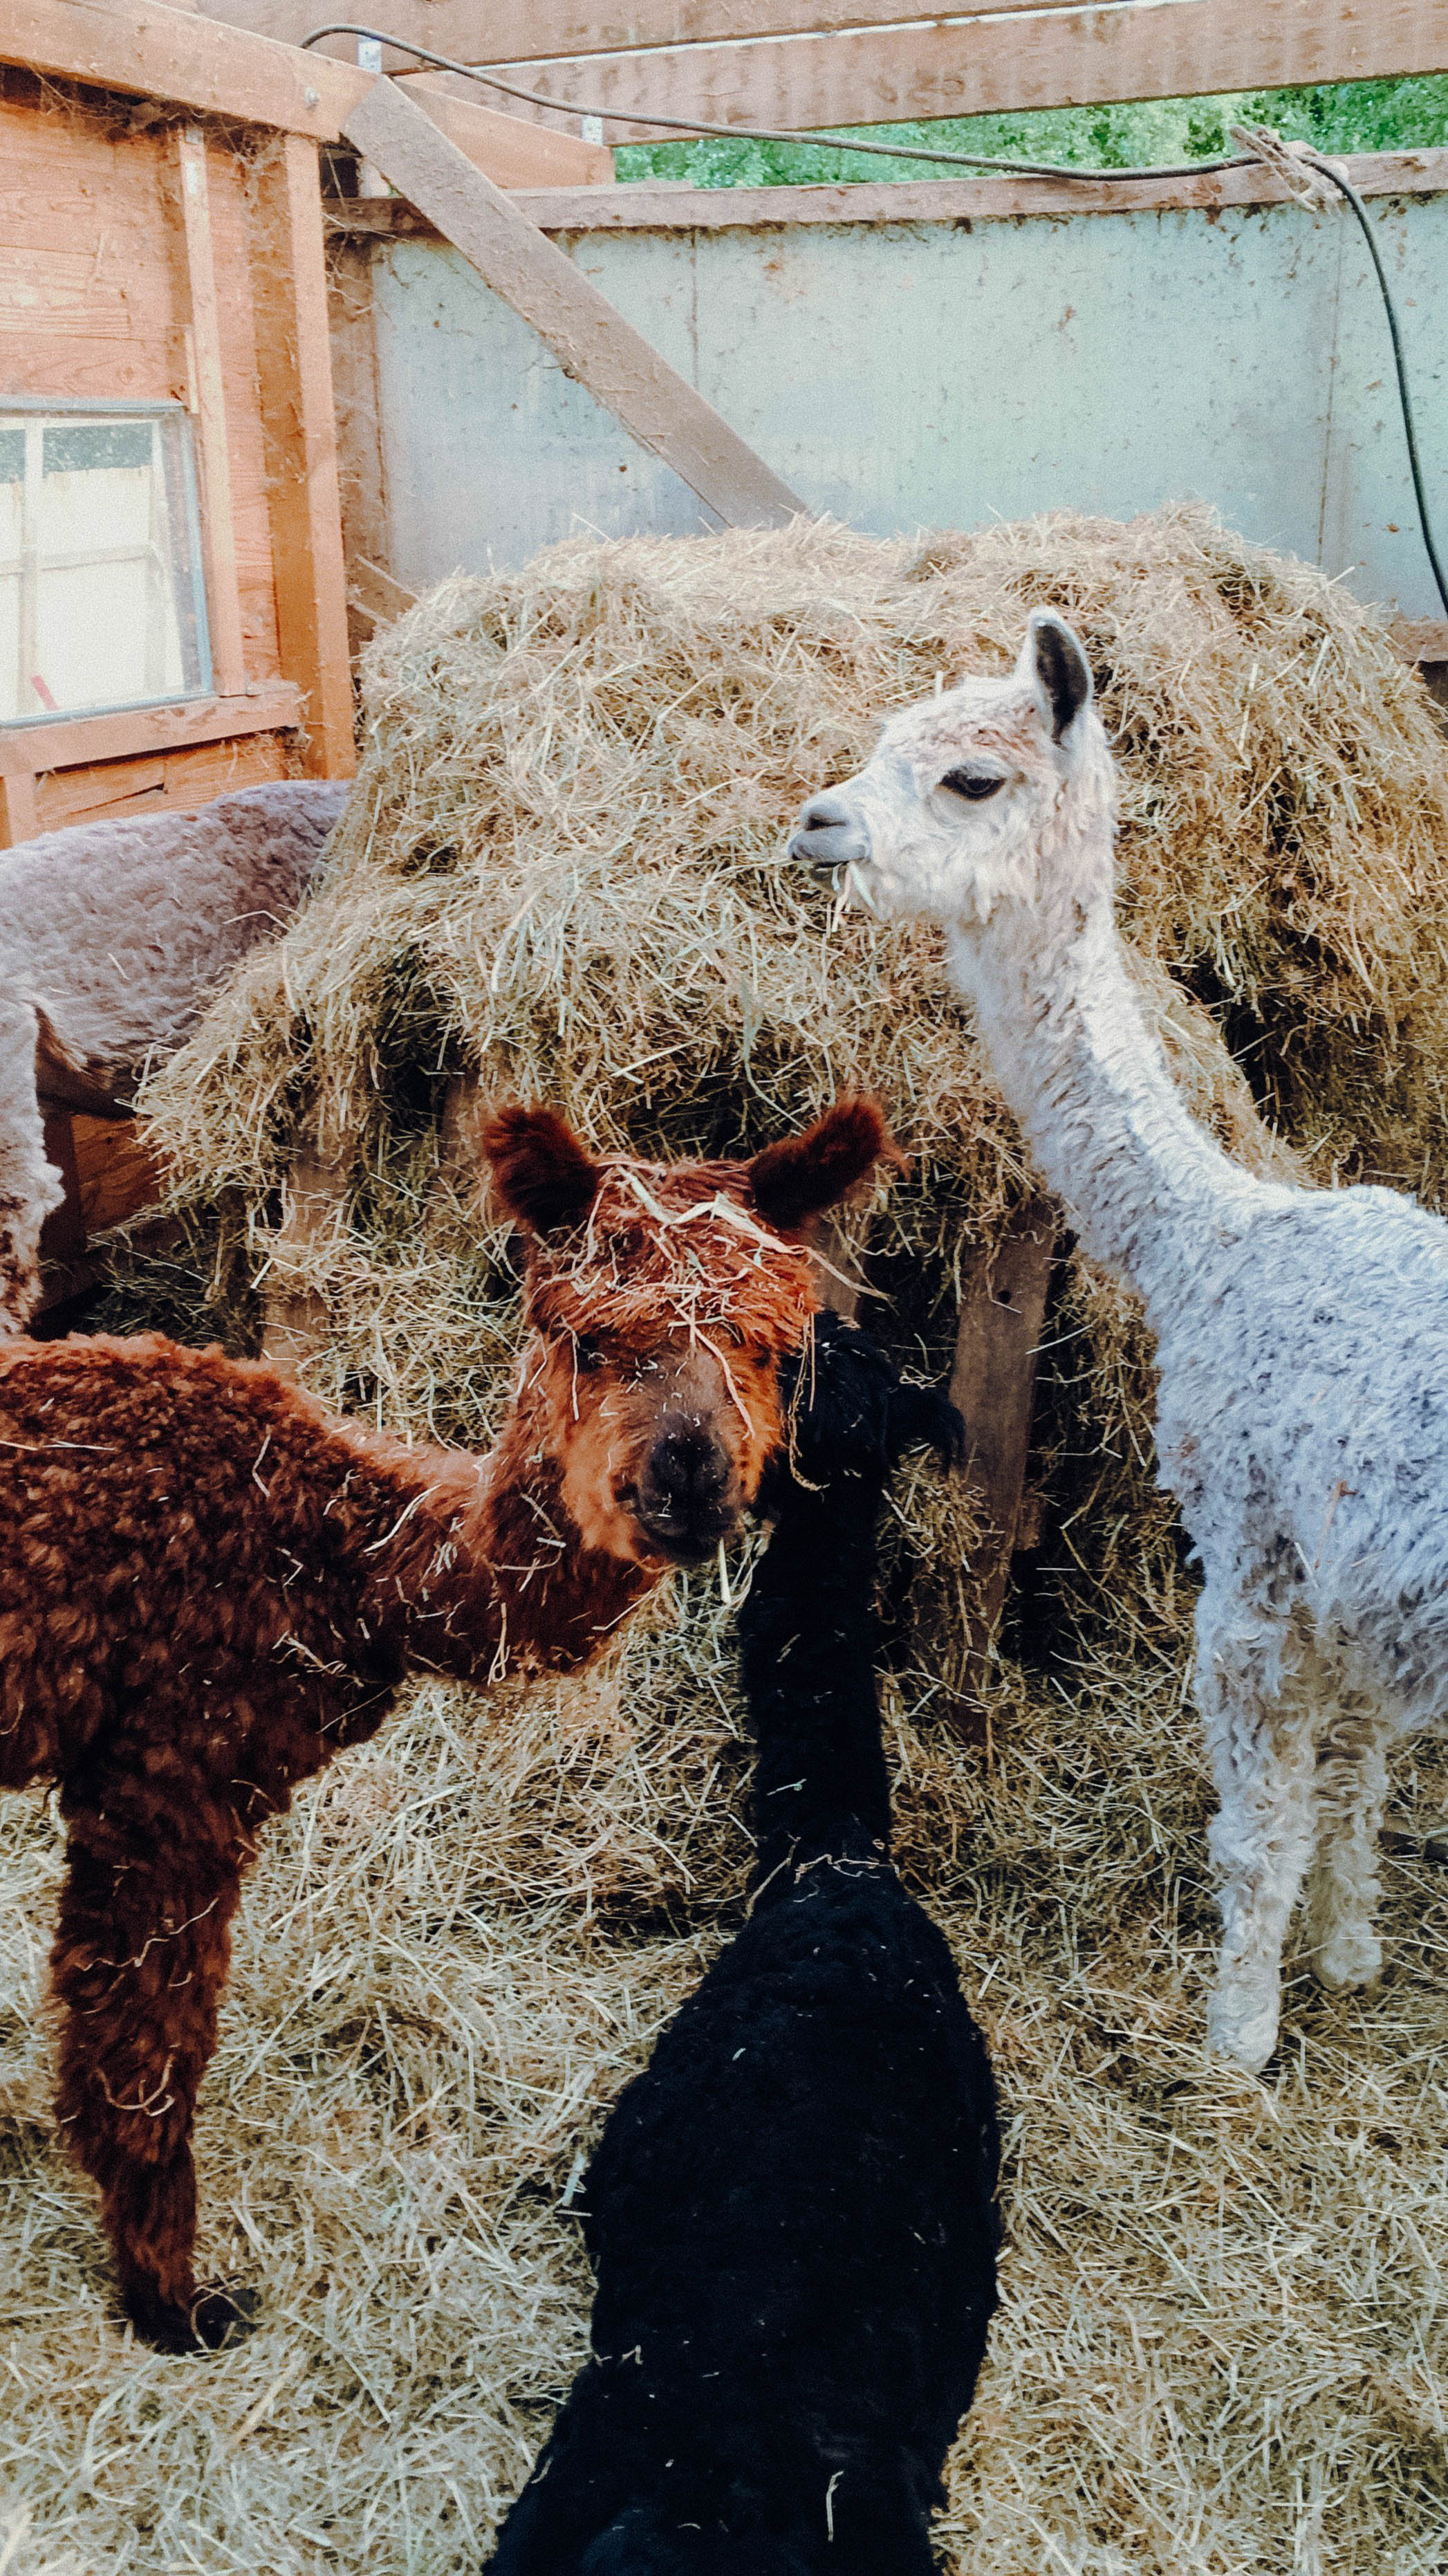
[587, 1355]
[973, 784]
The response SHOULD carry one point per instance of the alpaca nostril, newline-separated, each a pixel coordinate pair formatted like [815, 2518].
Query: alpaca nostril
[829, 834]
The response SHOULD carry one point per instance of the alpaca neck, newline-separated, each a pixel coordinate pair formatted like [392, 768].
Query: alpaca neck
[1090, 1084]
[808, 1644]
[483, 1571]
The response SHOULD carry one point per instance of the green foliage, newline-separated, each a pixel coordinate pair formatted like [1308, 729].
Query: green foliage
[1351, 116]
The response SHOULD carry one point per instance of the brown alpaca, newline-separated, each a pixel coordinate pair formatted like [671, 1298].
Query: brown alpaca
[208, 1589]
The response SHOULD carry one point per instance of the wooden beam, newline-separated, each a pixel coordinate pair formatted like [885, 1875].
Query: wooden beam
[519, 31]
[294, 370]
[510, 150]
[586, 333]
[994, 1384]
[1062, 58]
[223, 595]
[19, 818]
[150, 51]
[30, 751]
[667, 205]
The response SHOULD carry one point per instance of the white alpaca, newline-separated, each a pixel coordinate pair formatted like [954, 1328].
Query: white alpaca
[113, 938]
[1302, 1336]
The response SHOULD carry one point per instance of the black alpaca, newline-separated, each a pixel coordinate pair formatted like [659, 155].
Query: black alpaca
[791, 2211]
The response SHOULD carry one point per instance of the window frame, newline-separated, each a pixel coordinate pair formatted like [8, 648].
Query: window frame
[77, 408]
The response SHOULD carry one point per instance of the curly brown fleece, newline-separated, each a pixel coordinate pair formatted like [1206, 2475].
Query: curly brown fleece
[208, 1588]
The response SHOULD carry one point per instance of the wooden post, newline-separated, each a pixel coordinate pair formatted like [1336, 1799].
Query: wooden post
[295, 370]
[19, 817]
[587, 333]
[223, 597]
[298, 1323]
[994, 1383]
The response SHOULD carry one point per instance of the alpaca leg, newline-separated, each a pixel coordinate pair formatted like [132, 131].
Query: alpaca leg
[1342, 1897]
[1260, 1740]
[140, 1956]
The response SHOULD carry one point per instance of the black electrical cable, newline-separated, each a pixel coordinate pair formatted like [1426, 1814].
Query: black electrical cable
[961, 161]
[768, 133]
[1405, 399]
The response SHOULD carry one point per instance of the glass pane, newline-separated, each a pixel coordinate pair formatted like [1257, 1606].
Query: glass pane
[101, 602]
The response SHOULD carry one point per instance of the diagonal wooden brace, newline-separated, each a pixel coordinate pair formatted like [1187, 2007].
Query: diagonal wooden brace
[586, 333]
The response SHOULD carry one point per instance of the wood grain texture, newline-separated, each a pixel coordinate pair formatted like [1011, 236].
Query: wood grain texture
[33, 750]
[19, 812]
[223, 600]
[662, 206]
[190, 61]
[586, 333]
[1062, 58]
[361, 473]
[518, 31]
[993, 1383]
[294, 371]
[180, 783]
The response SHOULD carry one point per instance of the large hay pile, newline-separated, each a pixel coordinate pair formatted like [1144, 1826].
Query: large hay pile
[1222, 2345]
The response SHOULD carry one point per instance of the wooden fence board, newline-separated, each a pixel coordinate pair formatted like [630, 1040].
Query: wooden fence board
[517, 31]
[1062, 58]
[585, 331]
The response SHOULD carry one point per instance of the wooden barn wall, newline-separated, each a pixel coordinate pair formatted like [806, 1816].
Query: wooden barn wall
[94, 303]
[925, 374]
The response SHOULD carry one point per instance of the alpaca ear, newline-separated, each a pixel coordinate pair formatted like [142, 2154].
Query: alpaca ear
[543, 1175]
[1056, 670]
[791, 1182]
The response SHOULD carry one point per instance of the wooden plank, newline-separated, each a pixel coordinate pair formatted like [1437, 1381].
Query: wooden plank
[117, 1172]
[171, 54]
[19, 816]
[519, 31]
[31, 750]
[223, 599]
[674, 206]
[1062, 58]
[62, 1237]
[178, 784]
[361, 473]
[994, 1383]
[294, 370]
[586, 333]
[189, 61]
[1421, 639]
[511, 150]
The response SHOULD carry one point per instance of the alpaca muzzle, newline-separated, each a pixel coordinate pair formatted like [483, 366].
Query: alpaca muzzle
[830, 834]
[689, 1495]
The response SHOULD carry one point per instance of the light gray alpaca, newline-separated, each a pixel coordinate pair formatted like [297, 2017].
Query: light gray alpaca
[113, 938]
[1302, 1335]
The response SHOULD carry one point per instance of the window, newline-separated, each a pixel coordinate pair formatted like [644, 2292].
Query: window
[101, 596]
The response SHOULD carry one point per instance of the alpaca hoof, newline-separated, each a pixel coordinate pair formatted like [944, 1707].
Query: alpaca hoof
[1350, 1955]
[213, 2319]
[1243, 2028]
[220, 2317]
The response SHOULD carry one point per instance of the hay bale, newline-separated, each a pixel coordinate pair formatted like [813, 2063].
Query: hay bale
[1222, 2343]
[561, 872]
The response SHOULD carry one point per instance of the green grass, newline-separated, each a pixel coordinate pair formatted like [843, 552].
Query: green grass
[1353, 116]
